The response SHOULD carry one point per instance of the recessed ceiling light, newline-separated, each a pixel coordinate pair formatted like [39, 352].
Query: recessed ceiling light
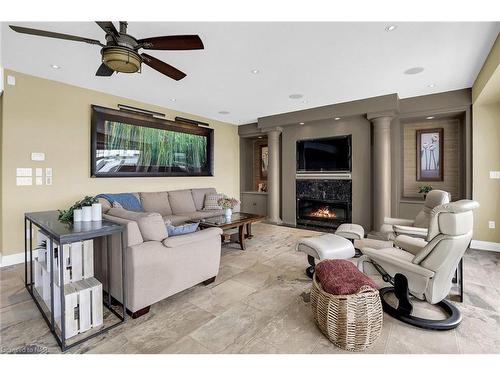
[224, 112]
[415, 70]
[391, 28]
[337, 118]
[429, 117]
[301, 123]
[255, 71]
[53, 66]
[295, 96]
[173, 99]
[431, 85]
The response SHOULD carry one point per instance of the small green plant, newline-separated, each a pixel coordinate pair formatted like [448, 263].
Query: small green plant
[425, 189]
[67, 215]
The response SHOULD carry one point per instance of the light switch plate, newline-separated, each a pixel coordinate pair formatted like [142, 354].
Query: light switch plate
[495, 174]
[491, 224]
[48, 180]
[38, 156]
[24, 172]
[39, 172]
[39, 180]
[48, 172]
[11, 80]
[24, 181]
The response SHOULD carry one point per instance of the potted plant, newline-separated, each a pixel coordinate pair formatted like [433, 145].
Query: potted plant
[228, 204]
[425, 190]
[80, 211]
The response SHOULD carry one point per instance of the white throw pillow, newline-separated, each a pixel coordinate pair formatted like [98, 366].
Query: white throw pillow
[211, 202]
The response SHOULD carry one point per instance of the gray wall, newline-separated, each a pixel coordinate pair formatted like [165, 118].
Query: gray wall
[359, 127]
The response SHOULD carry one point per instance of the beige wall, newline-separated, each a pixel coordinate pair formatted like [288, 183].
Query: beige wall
[46, 116]
[451, 143]
[486, 156]
[486, 146]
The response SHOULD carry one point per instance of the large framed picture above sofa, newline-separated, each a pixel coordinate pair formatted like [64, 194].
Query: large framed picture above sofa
[125, 144]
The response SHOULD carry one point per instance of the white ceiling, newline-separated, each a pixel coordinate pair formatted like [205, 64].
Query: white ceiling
[325, 62]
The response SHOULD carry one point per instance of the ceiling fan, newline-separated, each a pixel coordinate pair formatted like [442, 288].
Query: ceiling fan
[120, 53]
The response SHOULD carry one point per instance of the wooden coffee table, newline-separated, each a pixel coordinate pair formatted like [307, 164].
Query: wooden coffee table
[240, 220]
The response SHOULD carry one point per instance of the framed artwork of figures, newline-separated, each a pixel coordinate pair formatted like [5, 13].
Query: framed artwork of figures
[430, 154]
[264, 161]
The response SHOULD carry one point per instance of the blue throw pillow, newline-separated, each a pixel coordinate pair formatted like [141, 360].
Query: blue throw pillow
[181, 229]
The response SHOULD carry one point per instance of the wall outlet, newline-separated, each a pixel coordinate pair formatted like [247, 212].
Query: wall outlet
[495, 174]
[491, 224]
[38, 156]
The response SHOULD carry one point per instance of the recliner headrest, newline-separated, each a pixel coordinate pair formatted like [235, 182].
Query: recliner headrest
[452, 218]
[436, 198]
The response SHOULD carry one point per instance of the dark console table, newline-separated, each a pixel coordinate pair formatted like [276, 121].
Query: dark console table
[59, 233]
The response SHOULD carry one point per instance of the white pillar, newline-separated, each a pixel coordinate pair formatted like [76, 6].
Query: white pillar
[273, 176]
[381, 169]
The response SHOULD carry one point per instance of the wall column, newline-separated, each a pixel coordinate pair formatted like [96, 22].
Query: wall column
[381, 169]
[273, 176]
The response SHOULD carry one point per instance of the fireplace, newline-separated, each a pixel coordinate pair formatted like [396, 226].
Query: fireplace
[314, 212]
[323, 203]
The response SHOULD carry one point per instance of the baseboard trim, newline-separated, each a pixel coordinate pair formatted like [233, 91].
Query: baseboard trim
[10, 260]
[485, 245]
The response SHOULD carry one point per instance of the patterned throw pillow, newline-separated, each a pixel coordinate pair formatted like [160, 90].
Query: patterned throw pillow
[211, 202]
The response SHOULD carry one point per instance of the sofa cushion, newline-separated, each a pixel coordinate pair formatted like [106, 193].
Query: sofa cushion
[199, 215]
[150, 224]
[199, 196]
[181, 202]
[198, 236]
[175, 219]
[156, 202]
[211, 202]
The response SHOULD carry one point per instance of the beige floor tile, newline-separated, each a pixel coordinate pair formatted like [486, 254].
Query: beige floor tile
[231, 331]
[479, 331]
[186, 345]
[292, 330]
[221, 297]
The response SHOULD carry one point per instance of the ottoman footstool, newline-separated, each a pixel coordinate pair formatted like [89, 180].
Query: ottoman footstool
[326, 246]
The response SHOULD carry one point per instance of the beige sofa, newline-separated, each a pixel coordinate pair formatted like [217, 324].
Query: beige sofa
[158, 266]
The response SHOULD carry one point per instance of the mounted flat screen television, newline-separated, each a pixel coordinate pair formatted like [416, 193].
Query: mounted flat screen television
[126, 144]
[324, 155]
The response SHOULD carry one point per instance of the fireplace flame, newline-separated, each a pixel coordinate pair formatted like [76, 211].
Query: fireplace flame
[324, 212]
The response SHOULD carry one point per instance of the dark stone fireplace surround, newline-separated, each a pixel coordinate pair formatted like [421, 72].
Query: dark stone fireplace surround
[332, 193]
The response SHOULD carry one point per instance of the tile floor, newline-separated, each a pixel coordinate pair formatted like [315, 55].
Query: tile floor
[259, 304]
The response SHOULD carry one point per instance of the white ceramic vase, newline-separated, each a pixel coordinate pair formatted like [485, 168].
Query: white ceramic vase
[96, 212]
[228, 213]
[87, 213]
[77, 216]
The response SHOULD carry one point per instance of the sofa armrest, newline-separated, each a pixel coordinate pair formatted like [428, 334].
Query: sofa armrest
[133, 235]
[198, 236]
[411, 231]
[398, 221]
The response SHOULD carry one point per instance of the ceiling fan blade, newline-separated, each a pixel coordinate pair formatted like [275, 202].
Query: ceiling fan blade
[108, 27]
[172, 42]
[50, 34]
[162, 67]
[104, 71]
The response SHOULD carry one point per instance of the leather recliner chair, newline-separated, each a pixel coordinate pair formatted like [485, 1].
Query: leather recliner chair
[426, 272]
[393, 227]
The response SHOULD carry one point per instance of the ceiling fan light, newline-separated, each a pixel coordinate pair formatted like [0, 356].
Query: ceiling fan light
[121, 59]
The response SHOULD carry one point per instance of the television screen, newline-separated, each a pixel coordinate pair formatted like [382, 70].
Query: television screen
[324, 155]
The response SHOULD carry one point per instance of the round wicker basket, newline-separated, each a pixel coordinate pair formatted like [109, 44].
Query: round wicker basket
[351, 322]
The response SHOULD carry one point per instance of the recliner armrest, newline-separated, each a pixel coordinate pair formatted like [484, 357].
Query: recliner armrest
[398, 221]
[185, 239]
[411, 231]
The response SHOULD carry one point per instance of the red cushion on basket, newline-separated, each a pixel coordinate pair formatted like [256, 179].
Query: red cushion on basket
[340, 277]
